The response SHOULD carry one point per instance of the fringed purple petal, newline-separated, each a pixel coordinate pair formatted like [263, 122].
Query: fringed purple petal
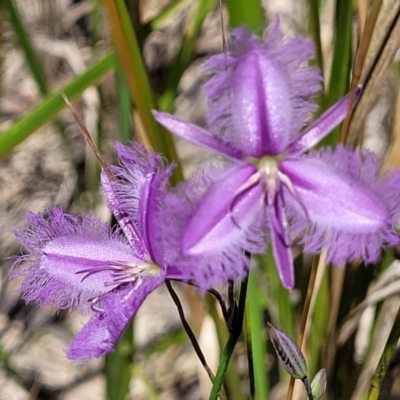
[279, 233]
[135, 194]
[258, 91]
[226, 210]
[101, 334]
[351, 211]
[197, 135]
[218, 254]
[323, 125]
[60, 248]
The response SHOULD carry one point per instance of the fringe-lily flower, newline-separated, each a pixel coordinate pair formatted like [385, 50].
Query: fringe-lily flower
[81, 263]
[259, 98]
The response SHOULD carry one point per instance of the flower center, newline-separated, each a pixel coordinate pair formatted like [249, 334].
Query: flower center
[269, 174]
[122, 271]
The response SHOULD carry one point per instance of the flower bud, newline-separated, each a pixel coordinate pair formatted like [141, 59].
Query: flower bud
[318, 384]
[288, 352]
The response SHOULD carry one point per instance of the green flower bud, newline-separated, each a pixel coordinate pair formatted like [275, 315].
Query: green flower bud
[318, 384]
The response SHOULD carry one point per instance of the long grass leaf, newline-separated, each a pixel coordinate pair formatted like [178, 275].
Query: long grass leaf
[132, 63]
[23, 37]
[279, 304]
[231, 380]
[185, 55]
[118, 367]
[255, 331]
[53, 104]
[342, 58]
[124, 105]
[315, 33]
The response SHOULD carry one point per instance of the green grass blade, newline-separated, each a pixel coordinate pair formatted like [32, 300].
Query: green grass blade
[118, 367]
[96, 20]
[255, 332]
[278, 296]
[248, 12]
[53, 104]
[132, 64]
[185, 55]
[319, 323]
[315, 33]
[23, 37]
[342, 60]
[124, 105]
[232, 379]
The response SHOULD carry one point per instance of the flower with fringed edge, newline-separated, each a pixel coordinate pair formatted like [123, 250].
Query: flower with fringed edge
[260, 98]
[80, 262]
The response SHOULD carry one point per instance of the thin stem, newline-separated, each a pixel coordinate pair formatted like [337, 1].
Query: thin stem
[230, 345]
[217, 296]
[230, 322]
[188, 330]
[249, 346]
[307, 385]
[221, 303]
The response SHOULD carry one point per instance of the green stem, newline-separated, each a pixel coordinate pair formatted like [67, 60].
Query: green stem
[255, 338]
[231, 344]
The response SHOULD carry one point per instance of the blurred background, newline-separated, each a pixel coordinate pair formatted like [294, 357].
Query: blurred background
[75, 46]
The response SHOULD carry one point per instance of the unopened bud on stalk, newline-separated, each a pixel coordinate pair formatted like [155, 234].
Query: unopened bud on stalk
[318, 384]
[288, 352]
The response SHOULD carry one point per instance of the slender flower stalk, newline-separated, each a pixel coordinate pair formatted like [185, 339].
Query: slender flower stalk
[272, 186]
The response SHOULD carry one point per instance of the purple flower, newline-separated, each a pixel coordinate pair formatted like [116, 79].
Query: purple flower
[81, 263]
[259, 96]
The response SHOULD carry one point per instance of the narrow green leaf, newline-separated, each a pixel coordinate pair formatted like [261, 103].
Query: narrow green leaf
[96, 16]
[124, 105]
[174, 338]
[277, 295]
[231, 380]
[53, 104]
[185, 55]
[248, 12]
[319, 326]
[135, 72]
[23, 37]
[118, 366]
[255, 331]
[342, 60]
[315, 33]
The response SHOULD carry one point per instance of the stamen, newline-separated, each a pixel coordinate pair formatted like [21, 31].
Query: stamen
[93, 304]
[268, 167]
[122, 271]
[288, 183]
[251, 182]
